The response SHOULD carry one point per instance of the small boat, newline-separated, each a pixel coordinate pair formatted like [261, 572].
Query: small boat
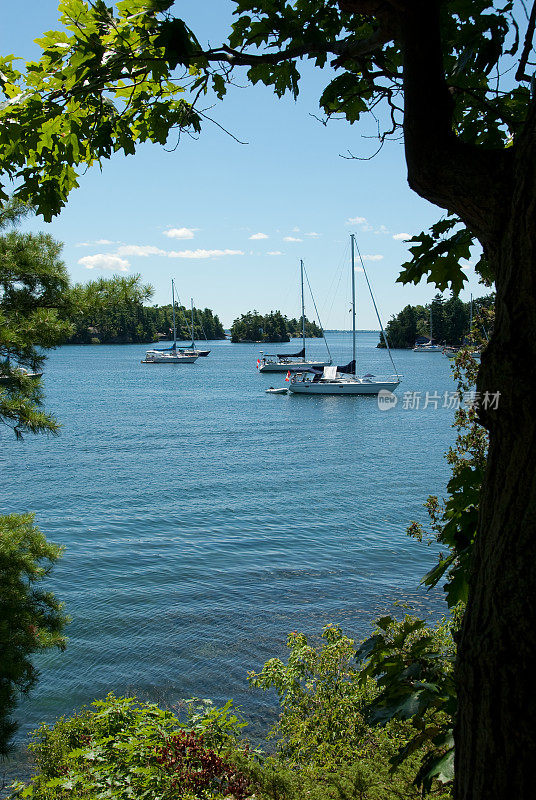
[343, 380]
[191, 348]
[428, 347]
[16, 372]
[271, 390]
[283, 362]
[170, 355]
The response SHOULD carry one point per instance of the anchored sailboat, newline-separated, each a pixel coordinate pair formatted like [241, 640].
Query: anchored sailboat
[170, 355]
[283, 362]
[428, 347]
[191, 348]
[344, 380]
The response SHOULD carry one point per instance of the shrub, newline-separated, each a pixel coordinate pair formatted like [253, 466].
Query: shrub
[122, 748]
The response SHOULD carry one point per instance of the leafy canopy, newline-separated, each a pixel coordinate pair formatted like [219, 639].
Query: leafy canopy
[111, 79]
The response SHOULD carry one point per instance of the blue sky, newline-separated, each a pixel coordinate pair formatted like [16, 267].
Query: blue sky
[230, 221]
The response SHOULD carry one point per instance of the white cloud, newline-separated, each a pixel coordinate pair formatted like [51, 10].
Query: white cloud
[382, 229]
[179, 233]
[364, 224]
[313, 234]
[97, 241]
[372, 258]
[291, 239]
[203, 253]
[259, 236]
[105, 261]
[402, 237]
[139, 250]
[274, 253]
[295, 229]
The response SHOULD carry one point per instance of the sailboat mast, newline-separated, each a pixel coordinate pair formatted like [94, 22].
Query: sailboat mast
[192, 304]
[471, 318]
[353, 301]
[302, 310]
[431, 338]
[173, 309]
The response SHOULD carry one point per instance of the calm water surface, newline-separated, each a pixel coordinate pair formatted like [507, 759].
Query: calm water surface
[204, 519]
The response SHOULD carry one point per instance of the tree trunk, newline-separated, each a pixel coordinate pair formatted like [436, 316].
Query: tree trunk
[496, 672]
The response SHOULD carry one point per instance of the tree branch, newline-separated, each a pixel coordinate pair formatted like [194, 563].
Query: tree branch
[345, 50]
[527, 47]
[466, 179]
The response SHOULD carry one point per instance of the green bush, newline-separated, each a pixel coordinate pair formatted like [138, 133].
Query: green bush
[327, 748]
[123, 748]
[326, 745]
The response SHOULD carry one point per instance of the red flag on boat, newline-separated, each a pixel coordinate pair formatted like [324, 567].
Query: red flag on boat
[288, 376]
[258, 362]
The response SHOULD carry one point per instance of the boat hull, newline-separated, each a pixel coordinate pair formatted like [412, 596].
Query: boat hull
[22, 373]
[170, 360]
[341, 387]
[188, 351]
[292, 366]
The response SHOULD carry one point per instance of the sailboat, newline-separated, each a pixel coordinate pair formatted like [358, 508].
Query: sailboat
[344, 380]
[451, 352]
[191, 348]
[428, 347]
[169, 355]
[283, 362]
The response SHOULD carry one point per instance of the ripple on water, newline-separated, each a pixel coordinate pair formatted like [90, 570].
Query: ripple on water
[204, 519]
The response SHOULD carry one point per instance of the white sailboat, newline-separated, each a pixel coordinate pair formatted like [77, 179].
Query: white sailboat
[343, 380]
[428, 347]
[191, 349]
[283, 362]
[170, 355]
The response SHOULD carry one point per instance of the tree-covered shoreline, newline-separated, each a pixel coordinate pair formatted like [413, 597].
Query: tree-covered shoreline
[115, 311]
[451, 321]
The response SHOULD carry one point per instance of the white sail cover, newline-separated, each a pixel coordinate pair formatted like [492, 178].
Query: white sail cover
[330, 373]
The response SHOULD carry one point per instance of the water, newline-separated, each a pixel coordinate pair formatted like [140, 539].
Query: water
[204, 519]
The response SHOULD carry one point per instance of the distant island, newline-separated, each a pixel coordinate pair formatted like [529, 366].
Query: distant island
[270, 328]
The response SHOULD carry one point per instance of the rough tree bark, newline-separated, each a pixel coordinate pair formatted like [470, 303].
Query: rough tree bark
[496, 727]
[494, 193]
